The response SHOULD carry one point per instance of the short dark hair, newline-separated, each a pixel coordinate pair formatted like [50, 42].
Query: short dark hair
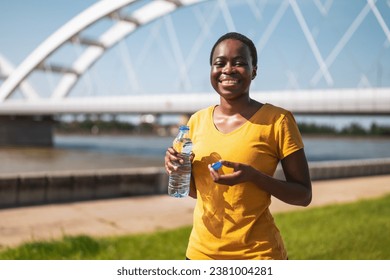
[242, 38]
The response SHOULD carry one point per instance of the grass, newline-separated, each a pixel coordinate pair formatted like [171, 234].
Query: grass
[350, 231]
[353, 231]
[157, 246]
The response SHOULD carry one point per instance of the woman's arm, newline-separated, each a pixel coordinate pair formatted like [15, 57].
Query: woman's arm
[295, 190]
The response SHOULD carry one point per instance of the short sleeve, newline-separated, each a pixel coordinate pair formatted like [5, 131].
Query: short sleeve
[289, 137]
[191, 124]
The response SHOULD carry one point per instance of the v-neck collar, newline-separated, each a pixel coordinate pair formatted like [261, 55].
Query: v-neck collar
[238, 128]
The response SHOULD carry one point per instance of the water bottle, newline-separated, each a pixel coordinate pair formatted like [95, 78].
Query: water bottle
[179, 180]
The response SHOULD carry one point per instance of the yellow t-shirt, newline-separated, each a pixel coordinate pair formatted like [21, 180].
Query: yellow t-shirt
[234, 222]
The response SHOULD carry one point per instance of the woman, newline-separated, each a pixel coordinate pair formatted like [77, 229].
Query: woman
[231, 216]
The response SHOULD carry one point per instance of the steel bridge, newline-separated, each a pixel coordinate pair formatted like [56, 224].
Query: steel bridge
[19, 96]
[373, 101]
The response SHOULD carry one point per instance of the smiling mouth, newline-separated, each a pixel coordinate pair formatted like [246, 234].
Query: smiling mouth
[228, 82]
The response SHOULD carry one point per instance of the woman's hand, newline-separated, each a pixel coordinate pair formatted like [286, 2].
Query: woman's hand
[173, 160]
[241, 173]
[295, 190]
[171, 156]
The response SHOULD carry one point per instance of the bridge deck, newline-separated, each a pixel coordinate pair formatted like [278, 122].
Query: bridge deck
[372, 101]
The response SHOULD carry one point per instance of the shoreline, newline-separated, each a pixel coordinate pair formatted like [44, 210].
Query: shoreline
[153, 135]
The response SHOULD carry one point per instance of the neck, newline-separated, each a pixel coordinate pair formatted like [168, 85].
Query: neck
[236, 106]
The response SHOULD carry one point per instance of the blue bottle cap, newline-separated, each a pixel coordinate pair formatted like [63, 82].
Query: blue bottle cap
[216, 165]
[184, 127]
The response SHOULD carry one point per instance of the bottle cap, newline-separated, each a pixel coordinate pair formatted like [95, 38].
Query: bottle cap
[184, 127]
[216, 165]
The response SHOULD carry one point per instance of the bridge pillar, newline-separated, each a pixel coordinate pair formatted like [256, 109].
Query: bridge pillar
[26, 130]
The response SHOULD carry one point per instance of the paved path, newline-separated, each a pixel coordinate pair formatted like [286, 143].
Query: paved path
[147, 214]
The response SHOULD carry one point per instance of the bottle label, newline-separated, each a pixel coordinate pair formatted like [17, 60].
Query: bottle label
[187, 147]
[182, 146]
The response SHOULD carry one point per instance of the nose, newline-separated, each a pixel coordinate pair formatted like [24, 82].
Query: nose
[228, 68]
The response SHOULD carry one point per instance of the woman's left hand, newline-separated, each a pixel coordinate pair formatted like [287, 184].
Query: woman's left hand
[295, 190]
[241, 173]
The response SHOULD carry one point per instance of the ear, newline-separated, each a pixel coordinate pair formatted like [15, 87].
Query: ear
[254, 72]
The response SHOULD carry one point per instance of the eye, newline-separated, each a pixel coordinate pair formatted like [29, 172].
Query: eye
[240, 63]
[219, 63]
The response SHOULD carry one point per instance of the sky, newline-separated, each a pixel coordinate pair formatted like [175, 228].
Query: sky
[25, 24]
[150, 60]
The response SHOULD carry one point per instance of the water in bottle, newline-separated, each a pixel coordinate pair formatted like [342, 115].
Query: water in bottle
[179, 180]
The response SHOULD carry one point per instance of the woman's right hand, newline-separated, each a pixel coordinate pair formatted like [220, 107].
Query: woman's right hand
[173, 160]
[172, 156]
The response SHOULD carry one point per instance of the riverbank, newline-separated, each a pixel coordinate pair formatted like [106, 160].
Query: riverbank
[38, 188]
[133, 215]
[43, 159]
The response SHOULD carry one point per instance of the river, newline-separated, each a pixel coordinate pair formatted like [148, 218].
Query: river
[76, 152]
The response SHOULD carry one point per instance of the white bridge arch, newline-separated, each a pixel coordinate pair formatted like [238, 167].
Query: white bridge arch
[371, 100]
[6, 69]
[69, 33]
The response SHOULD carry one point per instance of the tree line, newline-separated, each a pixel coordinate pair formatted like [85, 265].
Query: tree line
[354, 129]
[114, 126]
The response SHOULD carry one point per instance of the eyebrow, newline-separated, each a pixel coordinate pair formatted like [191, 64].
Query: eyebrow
[236, 57]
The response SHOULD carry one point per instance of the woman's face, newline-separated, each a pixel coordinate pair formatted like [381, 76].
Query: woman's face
[231, 70]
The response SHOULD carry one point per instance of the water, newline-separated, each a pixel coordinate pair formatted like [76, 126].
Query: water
[112, 152]
[346, 148]
[145, 146]
[179, 180]
[316, 148]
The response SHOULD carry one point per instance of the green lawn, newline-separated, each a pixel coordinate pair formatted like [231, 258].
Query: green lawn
[353, 231]
[358, 230]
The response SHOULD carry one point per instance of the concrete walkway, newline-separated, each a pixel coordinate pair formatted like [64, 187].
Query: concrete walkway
[147, 214]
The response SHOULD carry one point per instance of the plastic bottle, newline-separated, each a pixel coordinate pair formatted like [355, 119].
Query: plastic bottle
[179, 181]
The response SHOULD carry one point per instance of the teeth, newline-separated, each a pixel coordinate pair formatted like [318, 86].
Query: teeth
[229, 82]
